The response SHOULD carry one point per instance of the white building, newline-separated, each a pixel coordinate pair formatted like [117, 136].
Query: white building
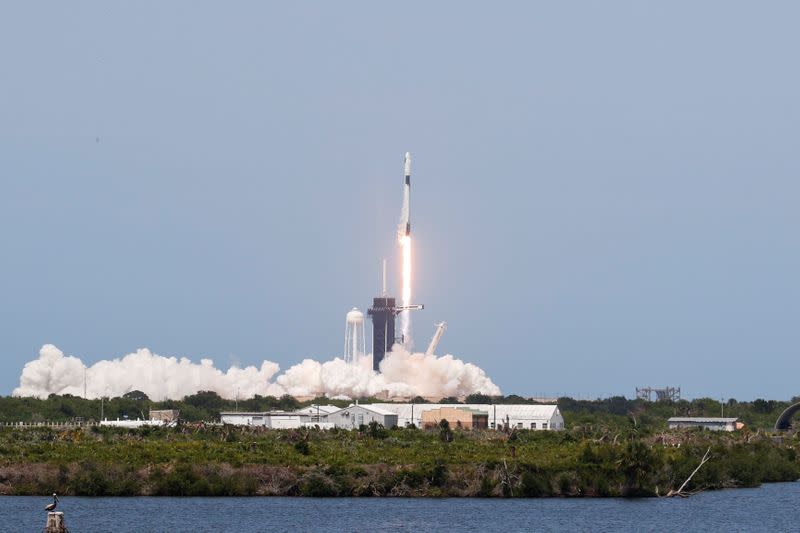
[311, 416]
[284, 421]
[316, 413]
[537, 417]
[244, 418]
[515, 415]
[712, 423]
[161, 418]
[269, 419]
[355, 415]
[128, 423]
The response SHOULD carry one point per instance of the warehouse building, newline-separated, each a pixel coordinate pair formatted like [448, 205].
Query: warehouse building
[711, 423]
[244, 418]
[284, 421]
[475, 416]
[267, 419]
[316, 413]
[355, 415]
[457, 417]
[500, 416]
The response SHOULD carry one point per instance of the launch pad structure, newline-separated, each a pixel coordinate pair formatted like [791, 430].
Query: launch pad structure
[383, 312]
[671, 394]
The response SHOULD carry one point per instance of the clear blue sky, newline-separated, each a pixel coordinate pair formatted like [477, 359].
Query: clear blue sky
[605, 194]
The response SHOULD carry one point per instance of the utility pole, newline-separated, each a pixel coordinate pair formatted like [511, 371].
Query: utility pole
[722, 404]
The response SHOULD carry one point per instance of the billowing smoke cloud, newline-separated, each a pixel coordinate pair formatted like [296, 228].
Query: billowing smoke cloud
[403, 374]
[158, 377]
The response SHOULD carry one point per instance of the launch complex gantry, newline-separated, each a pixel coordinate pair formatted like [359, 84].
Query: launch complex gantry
[383, 312]
[672, 394]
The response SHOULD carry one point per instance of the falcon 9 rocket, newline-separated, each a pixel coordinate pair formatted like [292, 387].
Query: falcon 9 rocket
[405, 214]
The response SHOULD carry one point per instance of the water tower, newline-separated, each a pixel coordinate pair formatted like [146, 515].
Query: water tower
[354, 339]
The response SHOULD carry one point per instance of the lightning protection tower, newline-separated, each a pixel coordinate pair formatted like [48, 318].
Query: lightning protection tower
[383, 312]
[354, 338]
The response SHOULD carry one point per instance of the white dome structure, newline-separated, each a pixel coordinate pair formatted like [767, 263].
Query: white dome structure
[354, 316]
[354, 337]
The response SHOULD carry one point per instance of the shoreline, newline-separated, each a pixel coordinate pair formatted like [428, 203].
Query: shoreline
[385, 497]
[229, 461]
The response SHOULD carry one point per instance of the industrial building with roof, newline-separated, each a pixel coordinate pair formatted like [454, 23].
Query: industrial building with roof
[711, 423]
[468, 416]
[311, 416]
[500, 416]
[316, 413]
[457, 417]
[357, 415]
[268, 419]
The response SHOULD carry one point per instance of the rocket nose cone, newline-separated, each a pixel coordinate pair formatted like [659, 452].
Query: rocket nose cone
[407, 167]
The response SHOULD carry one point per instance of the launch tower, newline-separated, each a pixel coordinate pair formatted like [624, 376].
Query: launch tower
[383, 311]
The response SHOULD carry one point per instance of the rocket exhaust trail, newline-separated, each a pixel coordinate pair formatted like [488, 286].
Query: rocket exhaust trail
[404, 236]
[405, 316]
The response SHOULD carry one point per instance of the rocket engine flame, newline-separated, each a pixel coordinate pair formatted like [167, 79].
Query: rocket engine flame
[405, 316]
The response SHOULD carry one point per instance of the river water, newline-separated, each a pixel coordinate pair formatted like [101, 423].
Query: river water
[772, 507]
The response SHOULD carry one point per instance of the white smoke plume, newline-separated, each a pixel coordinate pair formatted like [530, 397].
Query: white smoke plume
[403, 374]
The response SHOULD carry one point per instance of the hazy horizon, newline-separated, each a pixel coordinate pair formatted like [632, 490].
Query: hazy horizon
[604, 195]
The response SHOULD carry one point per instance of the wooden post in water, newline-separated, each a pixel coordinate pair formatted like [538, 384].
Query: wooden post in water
[55, 523]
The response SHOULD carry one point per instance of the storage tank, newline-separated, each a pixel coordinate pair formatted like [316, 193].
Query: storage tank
[354, 338]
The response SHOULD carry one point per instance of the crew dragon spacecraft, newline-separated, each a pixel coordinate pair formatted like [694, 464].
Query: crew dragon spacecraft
[405, 213]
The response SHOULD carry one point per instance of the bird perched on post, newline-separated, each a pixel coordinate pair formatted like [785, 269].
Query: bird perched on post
[52, 506]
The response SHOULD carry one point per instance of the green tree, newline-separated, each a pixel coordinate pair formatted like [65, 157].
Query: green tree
[638, 462]
[478, 398]
[136, 395]
[376, 430]
[445, 433]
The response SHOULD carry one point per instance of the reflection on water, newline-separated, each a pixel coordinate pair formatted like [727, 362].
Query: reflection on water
[773, 507]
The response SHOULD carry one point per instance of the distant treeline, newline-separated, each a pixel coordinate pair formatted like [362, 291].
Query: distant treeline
[758, 414]
[205, 406]
[203, 460]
